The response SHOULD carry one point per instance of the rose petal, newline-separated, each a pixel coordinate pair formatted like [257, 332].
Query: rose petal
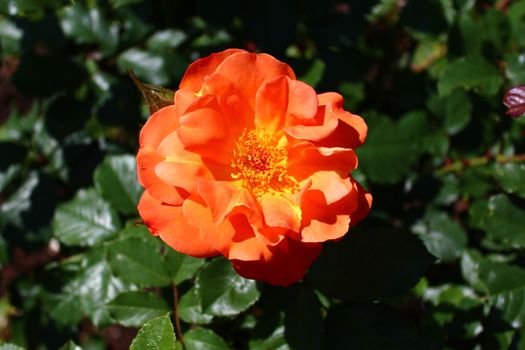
[200, 127]
[233, 237]
[222, 197]
[281, 265]
[280, 212]
[147, 160]
[171, 225]
[182, 173]
[194, 76]
[283, 100]
[158, 126]
[327, 206]
[249, 71]
[351, 129]
[304, 159]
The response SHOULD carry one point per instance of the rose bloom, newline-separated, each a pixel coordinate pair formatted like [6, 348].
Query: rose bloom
[252, 164]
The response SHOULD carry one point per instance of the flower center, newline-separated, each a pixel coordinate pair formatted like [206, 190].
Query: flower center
[261, 163]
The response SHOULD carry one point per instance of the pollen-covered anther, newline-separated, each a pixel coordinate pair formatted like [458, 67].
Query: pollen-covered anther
[261, 163]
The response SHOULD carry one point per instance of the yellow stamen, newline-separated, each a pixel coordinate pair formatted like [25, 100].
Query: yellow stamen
[261, 163]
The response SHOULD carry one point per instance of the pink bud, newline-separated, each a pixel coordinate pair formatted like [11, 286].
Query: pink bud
[515, 101]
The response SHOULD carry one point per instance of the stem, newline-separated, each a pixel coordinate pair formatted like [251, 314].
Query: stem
[176, 313]
[460, 165]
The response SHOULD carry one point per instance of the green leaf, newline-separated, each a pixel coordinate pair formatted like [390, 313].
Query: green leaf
[370, 263]
[121, 3]
[85, 293]
[86, 220]
[382, 9]
[132, 309]
[428, 51]
[157, 334]
[150, 66]
[496, 28]
[65, 308]
[303, 321]
[88, 26]
[461, 297]
[506, 288]
[96, 285]
[371, 327]
[156, 97]
[166, 39]
[353, 93]
[19, 201]
[222, 291]
[116, 179]
[388, 140]
[515, 68]
[4, 252]
[505, 222]
[511, 177]
[190, 309]
[11, 36]
[455, 110]
[70, 345]
[275, 341]
[470, 28]
[181, 266]
[516, 13]
[314, 75]
[6, 346]
[470, 265]
[442, 236]
[203, 339]
[138, 261]
[470, 73]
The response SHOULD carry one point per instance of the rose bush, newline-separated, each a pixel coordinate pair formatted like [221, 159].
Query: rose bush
[252, 164]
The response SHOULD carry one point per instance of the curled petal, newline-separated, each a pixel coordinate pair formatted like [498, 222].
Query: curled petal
[280, 212]
[304, 159]
[200, 127]
[249, 71]
[181, 173]
[158, 126]
[147, 160]
[233, 237]
[223, 197]
[351, 129]
[281, 265]
[327, 206]
[364, 204]
[198, 70]
[322, 126]
[171, 225]
[283, 101]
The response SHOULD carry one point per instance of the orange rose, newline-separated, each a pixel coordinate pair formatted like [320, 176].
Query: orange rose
[252, 164]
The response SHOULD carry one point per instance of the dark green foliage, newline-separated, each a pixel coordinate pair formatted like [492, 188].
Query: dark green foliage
[438, 264]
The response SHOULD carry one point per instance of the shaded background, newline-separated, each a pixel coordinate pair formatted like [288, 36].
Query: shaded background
[439, 262]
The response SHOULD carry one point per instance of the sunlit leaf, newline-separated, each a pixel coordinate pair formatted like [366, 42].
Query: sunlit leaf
[132, 309]
[203, 339]
[156, 334]
[116, 180]
[86, 220]
[222, 291]
[138, 261]
[470, 73]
